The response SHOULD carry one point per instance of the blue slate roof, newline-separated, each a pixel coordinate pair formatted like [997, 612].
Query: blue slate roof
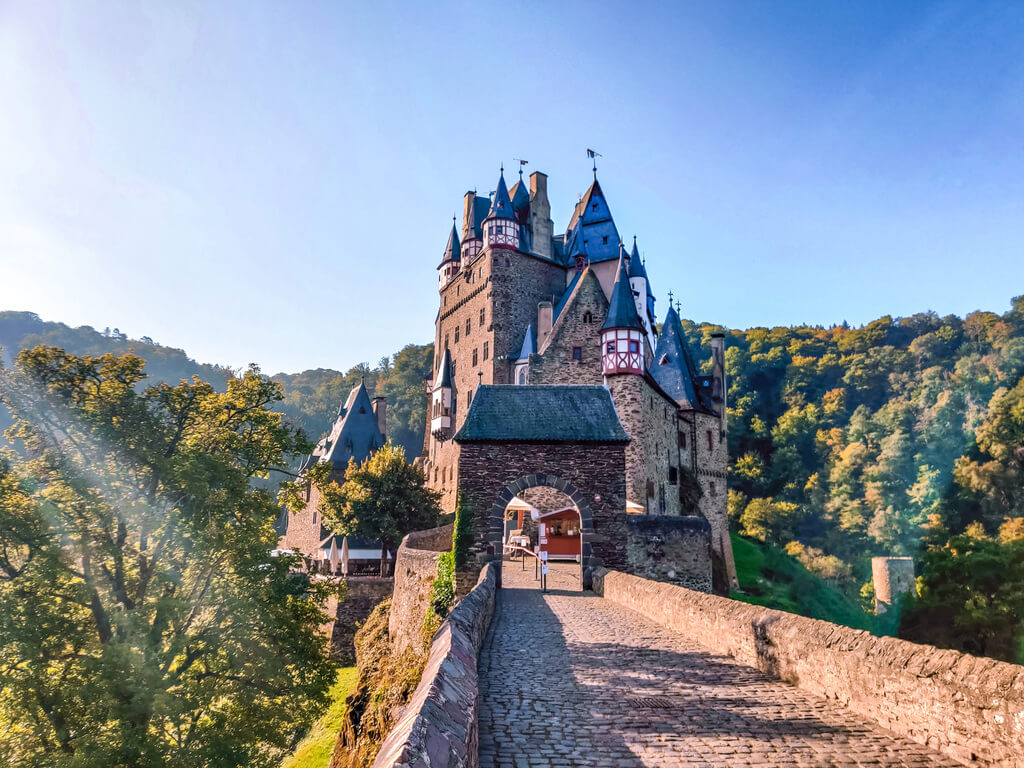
[673, 367]
[565, 296]
[574, 414]
[501, 206]
[452, 251]
[636, 266]
[355, 433]
[592, 223]
[444, 371]
[622, 308]
[529, 344]
[481, 207]
[521, 200]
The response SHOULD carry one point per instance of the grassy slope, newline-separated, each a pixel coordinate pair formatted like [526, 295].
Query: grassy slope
[771, 578]
[314, 751]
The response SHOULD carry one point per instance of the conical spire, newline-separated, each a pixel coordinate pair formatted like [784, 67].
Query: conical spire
[452, 251]
[501, 207]
[674, 369]
[622, 308]
[444, 371]
[529, 344]
[521, 198]
[636, 266]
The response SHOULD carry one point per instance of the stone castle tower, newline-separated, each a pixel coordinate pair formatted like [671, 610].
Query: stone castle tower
[520, 305]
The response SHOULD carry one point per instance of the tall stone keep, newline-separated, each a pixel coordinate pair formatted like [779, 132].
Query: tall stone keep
[522, 305]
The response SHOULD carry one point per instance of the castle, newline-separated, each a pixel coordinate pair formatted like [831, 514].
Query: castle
[520, 305]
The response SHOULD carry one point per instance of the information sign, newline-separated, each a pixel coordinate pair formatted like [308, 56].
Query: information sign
[544, 569]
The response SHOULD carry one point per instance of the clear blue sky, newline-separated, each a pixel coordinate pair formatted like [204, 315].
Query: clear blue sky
[274, 182]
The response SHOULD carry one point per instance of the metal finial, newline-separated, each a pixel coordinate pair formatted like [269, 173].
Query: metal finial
[670, 299]
[502, 169]
[479, 378]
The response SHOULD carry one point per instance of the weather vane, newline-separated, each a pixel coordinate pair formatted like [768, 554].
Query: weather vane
[593, 156]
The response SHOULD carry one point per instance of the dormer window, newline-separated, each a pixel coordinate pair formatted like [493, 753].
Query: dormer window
[604, 240]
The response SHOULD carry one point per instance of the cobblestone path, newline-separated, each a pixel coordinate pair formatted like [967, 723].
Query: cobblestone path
[570, 679]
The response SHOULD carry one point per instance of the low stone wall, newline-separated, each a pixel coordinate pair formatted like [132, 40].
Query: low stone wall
[415, 569]
[362, 595]
[967, 707]
[439, 726]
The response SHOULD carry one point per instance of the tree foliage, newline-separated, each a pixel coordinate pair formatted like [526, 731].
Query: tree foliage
[142, 619]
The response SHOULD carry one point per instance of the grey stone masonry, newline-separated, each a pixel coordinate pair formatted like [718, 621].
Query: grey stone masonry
[571, 679]
[438, 728]
[969, 708]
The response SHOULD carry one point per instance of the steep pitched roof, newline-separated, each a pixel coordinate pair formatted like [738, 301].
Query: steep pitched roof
[501, 206]
[529, 344]
[542, 414]
[636, 266]
[565, 296]
[592, 224]
[444, 370]
[452, 251]
[355, 433]
[478, 212]
[673, 366]
[520, 199]
[621, 307]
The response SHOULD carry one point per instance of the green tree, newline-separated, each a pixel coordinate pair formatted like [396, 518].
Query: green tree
[143, 621]
[383, 498]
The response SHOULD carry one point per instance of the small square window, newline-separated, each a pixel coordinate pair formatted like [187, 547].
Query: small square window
[611, 347]
[577, 353]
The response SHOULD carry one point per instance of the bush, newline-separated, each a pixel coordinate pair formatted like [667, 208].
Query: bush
[442, 594]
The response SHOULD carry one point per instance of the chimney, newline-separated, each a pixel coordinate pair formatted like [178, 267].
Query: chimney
[380, 409]
[718, 383]
[541, 226]
[467, 213]
[544, 320]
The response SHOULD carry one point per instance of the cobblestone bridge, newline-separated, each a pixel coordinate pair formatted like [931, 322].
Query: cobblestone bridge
[571, 679]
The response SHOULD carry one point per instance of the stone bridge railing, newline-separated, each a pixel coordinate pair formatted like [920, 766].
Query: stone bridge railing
[969, 708]
[438, 728]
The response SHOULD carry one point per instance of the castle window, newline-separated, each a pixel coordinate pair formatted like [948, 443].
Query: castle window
[682, 440]
[711, 441]
[650, 488]
[604, 240]
[314, 517]
[467, 326]
[588, 317]
[634, 347]
[577, 353]
[611, 347]
[482, 316]
[456, 334]
[487, 349]
[475, 361]
[593, 207]
[457, 289]
[469, 399]
[522, 376]
[714, 491]
[673, 475]
[446, 341]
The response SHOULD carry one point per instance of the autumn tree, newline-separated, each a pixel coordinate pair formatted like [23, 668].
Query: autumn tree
[143, 621]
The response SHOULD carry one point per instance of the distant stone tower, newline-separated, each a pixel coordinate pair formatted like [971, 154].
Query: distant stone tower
[892, 577]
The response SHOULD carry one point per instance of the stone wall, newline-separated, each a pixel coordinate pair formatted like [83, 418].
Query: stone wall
[674, 549]
[362, 595]
[967, 707]
[891, 577]
[438, 728]
[415, 570]
[555, 364]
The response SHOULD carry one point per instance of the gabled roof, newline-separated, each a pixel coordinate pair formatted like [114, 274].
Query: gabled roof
[355, 433]
[542, 414]
[452, 251]
[592, 223]
[501, 206]
[673, 366]
[621, 308]
[529, 344]
[444, 371]
[565, 295]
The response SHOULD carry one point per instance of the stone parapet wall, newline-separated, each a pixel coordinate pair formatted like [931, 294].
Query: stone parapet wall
[674, 549]
[438, 728]
[415, 570]
[967, 707]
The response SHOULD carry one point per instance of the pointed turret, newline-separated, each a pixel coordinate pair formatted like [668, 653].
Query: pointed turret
[449, 266]
[643, 297]
[673, 366]
[622, 335]
[441, 400]
[501, 230]
[521, 200]
[522, 367]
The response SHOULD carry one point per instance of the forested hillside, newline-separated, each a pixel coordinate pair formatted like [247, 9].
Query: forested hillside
[905, 436]
[312, 398]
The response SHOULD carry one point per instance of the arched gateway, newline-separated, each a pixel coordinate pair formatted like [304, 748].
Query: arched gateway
[567, 438]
